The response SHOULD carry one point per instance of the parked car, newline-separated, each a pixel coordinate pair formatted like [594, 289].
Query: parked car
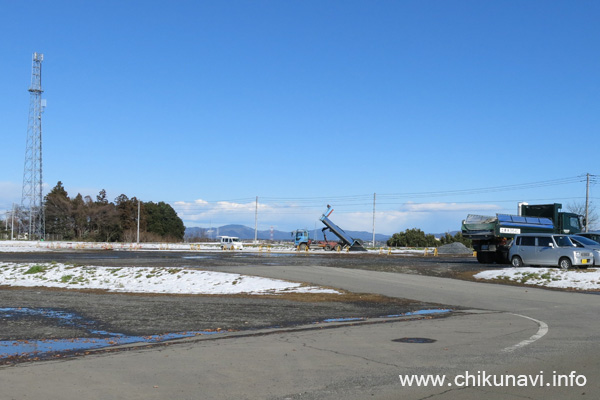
[587, 243]
[231, 243]
[549, 250]
[595, 236]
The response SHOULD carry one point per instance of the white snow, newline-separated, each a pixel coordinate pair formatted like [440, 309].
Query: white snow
[579, 279]
[20, 246]
[49, 246]
[146, 280]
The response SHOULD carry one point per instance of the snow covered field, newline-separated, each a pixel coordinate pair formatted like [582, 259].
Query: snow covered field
[195, 281]
[34, 246]
[579, 279]
[146, 280]
[143, 280]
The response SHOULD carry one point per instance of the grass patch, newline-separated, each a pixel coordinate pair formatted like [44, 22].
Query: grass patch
[548, 276]
[79, 279]
[36, 269]
[529, 276]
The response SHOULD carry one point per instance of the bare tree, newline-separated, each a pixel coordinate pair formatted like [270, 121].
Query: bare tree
[592, 218]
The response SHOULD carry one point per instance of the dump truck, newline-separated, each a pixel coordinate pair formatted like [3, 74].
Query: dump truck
[329, 244]
[346, 241]
[492, 235]
[302, 240]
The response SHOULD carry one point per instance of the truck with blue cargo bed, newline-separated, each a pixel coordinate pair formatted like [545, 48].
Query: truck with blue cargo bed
[491, 236]
[303, 242]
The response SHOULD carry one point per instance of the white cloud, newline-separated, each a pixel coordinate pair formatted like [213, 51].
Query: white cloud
[434, 217]
[203, 213]
[438, 207]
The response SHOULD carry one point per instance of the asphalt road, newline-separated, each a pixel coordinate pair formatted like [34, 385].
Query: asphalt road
[501, 330]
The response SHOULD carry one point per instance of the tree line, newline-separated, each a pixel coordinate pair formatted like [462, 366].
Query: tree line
[83, 218]
[417, 238]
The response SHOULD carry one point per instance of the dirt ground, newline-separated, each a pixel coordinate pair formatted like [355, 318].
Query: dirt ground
[444, 266]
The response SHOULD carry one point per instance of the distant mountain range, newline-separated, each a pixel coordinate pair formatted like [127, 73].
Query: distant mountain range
[244, 232]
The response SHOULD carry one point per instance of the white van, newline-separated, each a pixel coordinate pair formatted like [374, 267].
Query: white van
[231, 243]
[549, 249]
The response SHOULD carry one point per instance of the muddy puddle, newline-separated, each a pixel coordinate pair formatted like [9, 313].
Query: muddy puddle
[41, 349]
[97, 339]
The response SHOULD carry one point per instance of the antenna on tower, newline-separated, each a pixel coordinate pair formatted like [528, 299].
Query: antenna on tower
[32, 220]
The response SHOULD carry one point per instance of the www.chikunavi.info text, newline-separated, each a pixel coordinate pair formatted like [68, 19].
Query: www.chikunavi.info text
[483, 379]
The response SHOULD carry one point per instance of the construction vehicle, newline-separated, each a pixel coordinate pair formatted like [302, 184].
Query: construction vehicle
[345, 241]
[329, 244]
[302, 240]
[492, 236]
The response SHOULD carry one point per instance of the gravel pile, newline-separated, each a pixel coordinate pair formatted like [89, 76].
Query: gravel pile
[454, 248]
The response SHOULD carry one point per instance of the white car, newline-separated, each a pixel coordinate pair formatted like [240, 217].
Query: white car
[549, 249]
[231, 243]
[590, 244]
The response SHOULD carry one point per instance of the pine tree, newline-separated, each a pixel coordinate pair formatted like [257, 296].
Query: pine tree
[58, 210]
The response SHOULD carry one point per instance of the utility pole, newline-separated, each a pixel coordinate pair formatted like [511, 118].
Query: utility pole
[587, 201]
[256, 222]
[31, 199]
[138, 223]
[12, 225]
[374, 197]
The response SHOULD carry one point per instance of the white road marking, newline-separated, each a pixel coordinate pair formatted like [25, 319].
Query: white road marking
[543, 329]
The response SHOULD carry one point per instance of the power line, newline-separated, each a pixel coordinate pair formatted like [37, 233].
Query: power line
[366, 199]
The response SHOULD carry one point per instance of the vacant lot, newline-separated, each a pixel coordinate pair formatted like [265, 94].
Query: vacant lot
[143, 314]
[446, 266]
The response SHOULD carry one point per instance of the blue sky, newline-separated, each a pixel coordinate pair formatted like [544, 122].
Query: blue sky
[207, 105]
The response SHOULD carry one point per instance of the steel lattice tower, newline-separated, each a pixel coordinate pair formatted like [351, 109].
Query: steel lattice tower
[32, 210]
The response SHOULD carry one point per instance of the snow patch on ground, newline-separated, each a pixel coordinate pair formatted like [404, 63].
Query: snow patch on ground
[579, 279]
[146, 280]
[48, 246]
